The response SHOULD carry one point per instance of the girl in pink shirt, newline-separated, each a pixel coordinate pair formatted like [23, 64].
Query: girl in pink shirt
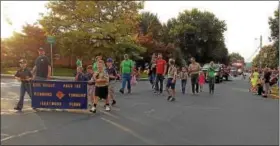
[201, 80]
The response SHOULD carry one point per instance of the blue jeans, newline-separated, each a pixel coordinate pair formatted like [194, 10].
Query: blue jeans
[24, 87]
[152, 78]
[126, 77]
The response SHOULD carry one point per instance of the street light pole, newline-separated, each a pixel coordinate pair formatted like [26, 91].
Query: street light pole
[260, 50]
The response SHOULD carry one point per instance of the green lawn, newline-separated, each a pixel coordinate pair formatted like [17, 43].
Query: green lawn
[57, 72]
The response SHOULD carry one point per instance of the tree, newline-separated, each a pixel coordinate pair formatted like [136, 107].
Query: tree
[198, 34]
[235, 56]
[26, 44]
[267, 57]
[89, 28]
[274, 28]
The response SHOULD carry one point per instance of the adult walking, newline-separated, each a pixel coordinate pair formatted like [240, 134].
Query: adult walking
[211, 77]
[42, 68]
[266, 77]
[126, 70]
[194, 69]
[152, 70]
[161, 68]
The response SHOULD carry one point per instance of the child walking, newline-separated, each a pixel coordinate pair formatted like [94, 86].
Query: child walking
[201, 80]
[90, 87]
[24, 76]
[171, 80]
[101, 86]
[112, 80]
[183, 76]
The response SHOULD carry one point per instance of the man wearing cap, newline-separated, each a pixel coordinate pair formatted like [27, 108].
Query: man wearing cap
[126, 70]
[24, 76]
[42, 68]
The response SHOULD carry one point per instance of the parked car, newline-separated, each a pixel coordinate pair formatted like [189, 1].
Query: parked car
[225, 72]
[218, 72]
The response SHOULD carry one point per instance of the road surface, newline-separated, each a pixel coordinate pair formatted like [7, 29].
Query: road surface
[231, 116]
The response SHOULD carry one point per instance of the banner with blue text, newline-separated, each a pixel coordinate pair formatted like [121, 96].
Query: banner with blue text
[59, 94]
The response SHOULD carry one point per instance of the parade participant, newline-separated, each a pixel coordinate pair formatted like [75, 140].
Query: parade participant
[266, 77]
[112, 80]
[23, 75]
[152, 70]
[90, 87]
[97, 58]
[211, 77]
[42, 68]
[126, 69]
[161, 68]
[80, 75]
[260, 86]
[79, 62]
[101, 86]
[194, 69]
[201, 80]
[254, 80]
[171, 80]
[183, 76]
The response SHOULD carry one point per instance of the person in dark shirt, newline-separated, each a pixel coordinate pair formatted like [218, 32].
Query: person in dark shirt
[23, 75]
[266, 77]
[42, 68]
[80, 76]
[88, 76]
[112, 72]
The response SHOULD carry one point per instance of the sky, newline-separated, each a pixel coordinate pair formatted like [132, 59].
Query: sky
[246, 20]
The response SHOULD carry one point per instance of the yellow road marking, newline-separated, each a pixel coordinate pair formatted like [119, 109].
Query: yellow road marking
[129, 131]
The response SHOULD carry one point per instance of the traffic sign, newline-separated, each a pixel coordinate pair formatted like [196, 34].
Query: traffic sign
[50, 39]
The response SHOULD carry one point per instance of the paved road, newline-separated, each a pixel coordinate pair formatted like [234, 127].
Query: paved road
[231, 116]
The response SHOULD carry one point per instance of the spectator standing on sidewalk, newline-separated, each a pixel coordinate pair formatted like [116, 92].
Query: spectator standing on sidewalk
[42, 68]
[266, 77]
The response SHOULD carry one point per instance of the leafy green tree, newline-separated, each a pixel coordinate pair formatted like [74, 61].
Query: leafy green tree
[235, 56]
[267, 57]
[274, 28]
[198, 34]
[89, 28]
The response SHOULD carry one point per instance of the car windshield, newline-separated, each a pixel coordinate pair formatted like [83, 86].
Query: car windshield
[206, 66]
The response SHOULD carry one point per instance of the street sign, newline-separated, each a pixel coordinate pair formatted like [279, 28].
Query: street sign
[50, 39]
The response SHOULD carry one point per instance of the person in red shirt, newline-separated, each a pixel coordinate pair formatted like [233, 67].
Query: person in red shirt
[161, 67]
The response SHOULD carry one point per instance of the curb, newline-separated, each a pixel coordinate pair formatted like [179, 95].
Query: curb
[58, 77]
[274, 96]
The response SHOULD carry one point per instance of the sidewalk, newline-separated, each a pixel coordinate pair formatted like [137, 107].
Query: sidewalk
[57, 77]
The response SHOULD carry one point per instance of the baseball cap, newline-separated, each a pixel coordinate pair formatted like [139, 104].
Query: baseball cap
[109, 60]
[22, 61]
[41, 49]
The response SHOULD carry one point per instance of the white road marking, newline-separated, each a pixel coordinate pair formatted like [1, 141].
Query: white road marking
[22, 134]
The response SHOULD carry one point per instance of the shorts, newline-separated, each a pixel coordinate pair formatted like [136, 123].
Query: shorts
[170, 84]
[90, 90]
[101, 92]
[112, 88]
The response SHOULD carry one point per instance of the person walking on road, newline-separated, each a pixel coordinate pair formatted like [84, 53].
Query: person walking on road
[42, 68]
[171, 80]
[112, 80]
[211, 77]
[152, 71]
[23, 75]
[194, 69]
[266, 77]
[161, 67]
[101, 86]
[183, 76]
[126, 69]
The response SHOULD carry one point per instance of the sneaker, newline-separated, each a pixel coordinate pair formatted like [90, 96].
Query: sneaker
[93, 109]
[121, 90]
[129, 91]
[172, 99]
[17, 109]
[107, 108]
[114, 102]
[169, 97]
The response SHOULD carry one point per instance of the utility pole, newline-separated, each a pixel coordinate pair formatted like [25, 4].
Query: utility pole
[260, 50]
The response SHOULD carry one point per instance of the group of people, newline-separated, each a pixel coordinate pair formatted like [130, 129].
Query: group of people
[159, 68]
[262, 79]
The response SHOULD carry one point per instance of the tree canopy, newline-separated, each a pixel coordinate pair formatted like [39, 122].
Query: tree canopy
[235, 56]
[268, 55]
[112, 28]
